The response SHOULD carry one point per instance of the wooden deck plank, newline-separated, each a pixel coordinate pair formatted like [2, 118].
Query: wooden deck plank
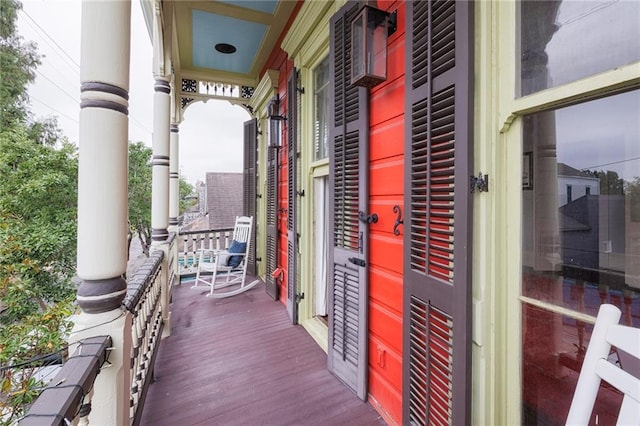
[239, 361]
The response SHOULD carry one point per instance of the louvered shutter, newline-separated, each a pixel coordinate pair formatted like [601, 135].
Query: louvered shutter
[437, 287]
[292, 170]
[271, 285]
[348, 179]
[249, 183]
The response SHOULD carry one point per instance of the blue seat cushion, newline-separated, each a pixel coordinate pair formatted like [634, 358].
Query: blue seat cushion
[236, 247]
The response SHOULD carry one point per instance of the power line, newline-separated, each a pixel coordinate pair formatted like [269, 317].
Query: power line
[61, 89]
[77, 67]
[53, 41]
[609, 164]
[591, 11]
[53, 109]
[140, 125]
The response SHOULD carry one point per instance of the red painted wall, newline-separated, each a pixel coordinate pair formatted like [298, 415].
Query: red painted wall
[386, 249]
[386, 180]
[279, 61]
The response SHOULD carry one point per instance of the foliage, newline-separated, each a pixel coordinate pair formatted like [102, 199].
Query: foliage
[38, 199]
[632, 189]
[18, 61]
[185, 189]
[610, 182]
[37, 257]
[140, 193]
[36, 341]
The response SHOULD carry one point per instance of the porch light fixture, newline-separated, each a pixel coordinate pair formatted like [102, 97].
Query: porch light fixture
[369, 32]
[275, 122]
[273, 109]
[225, 48]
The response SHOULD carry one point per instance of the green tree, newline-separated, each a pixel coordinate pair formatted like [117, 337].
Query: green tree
[632, 190]
[610, 182]
[140, 193]
[38, 198]
[18, 62]
[185, 189]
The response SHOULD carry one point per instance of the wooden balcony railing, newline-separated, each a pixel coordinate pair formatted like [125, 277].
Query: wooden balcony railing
[143, 302]
[67, 398]
[146, 315]
[190, 242]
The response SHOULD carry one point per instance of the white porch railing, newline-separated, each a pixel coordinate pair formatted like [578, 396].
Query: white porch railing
[143, 302]
[190, 242]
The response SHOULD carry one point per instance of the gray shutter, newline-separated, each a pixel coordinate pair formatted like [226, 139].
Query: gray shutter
[292, 171]
[249, 183]
[271, 285]
[348, 180]
[437, 239]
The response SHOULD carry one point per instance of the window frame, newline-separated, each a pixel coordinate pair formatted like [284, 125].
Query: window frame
[498, 32]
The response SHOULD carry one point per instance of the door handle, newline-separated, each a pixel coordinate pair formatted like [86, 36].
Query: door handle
[371, 218]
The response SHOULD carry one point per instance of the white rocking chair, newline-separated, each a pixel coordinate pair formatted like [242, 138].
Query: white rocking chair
[596, 366]
[230, 263]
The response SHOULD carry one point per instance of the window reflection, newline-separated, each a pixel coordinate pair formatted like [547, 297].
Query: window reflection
[581, 238]
[552, 352]
[565, 40]
[321, 122]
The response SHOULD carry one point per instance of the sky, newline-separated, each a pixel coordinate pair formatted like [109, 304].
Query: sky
[211, 133]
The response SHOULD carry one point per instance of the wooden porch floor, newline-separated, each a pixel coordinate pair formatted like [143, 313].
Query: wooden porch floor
[239, 361]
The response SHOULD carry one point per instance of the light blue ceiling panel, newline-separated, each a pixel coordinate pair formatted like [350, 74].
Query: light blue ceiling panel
[266, 6]
[210, 29]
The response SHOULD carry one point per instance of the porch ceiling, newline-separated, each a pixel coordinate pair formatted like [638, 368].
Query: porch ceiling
[252, 27]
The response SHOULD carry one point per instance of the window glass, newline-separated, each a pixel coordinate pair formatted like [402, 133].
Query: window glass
[566, 40]
[321, 121]
[553, 347]
[581, 239]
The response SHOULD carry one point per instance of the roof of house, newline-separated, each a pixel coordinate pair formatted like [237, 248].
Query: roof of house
[566, 170]
[224, 199]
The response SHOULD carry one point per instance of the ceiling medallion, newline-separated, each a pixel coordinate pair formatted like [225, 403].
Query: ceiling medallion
[225, 48]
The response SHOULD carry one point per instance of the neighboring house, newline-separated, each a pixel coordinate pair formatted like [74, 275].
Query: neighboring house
[593, 234]
[394, 223]
[224, 199]
[573, 184]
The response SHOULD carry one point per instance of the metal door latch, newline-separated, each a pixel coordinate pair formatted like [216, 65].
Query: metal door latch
[371, 218]
[358, 262]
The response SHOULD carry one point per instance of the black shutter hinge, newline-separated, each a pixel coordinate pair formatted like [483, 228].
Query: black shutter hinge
[299, 297]
[481, 182]
[300, 193]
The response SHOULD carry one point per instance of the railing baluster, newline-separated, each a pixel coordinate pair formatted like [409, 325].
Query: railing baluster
[192, 241]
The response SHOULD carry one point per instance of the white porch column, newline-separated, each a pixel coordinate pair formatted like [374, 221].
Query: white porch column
[174, 177]
[102, 196]
[160, 172]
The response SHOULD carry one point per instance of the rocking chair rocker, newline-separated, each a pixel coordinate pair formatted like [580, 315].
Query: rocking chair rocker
[230, 263]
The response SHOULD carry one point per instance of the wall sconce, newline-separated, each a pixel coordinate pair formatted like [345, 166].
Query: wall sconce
[369, 32]
[273, 109]
[275, 122]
